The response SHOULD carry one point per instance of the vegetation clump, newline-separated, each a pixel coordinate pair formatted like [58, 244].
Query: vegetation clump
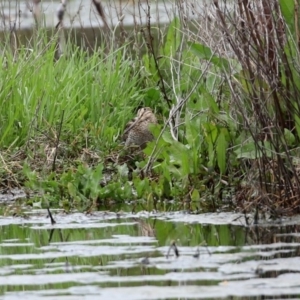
[225, 90]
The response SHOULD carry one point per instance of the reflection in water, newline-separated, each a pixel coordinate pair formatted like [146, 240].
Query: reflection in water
[107, 254]
[82, 24]
[82, 14]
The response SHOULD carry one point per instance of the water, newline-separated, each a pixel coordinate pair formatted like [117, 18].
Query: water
[123, 255]
[82, 23]
[82, 14]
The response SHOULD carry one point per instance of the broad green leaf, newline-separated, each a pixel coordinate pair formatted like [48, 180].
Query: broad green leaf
[72, 190]
[288, 10]
[150, 67]
[166, 189]
[205, 53]
[179, 154]
[289, 137]
[221, 148]
[292, 54]
[167, 137]
[211, 135]
[247, 151]
[126, 191]
[152, 95]
[228, 120]
[252, 150]
[185, 164]
[141, 186]
[207, 101]
[195, 195]
[97, 173]
[173, 38]
[192, 133]
[211, 132]
[297, 123]
[166, 171]
[212, 81]
[211, 155]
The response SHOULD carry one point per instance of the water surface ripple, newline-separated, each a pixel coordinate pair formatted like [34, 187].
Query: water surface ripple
[128, 256]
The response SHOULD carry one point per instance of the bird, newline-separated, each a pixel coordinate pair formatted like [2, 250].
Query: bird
[137, 131]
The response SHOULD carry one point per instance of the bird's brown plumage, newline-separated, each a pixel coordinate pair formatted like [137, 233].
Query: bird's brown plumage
[137, 130]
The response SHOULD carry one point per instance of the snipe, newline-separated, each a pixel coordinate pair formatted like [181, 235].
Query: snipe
[137, 131]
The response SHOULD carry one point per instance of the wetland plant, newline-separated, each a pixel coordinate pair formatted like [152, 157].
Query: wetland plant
[224, 87]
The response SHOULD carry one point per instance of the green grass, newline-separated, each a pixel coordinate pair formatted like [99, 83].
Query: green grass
[79, 103]
[97, 94]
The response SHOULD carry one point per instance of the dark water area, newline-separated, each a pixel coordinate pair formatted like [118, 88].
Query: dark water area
[82, 24]
[85, 38]
[83, 14]
[146, 255]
